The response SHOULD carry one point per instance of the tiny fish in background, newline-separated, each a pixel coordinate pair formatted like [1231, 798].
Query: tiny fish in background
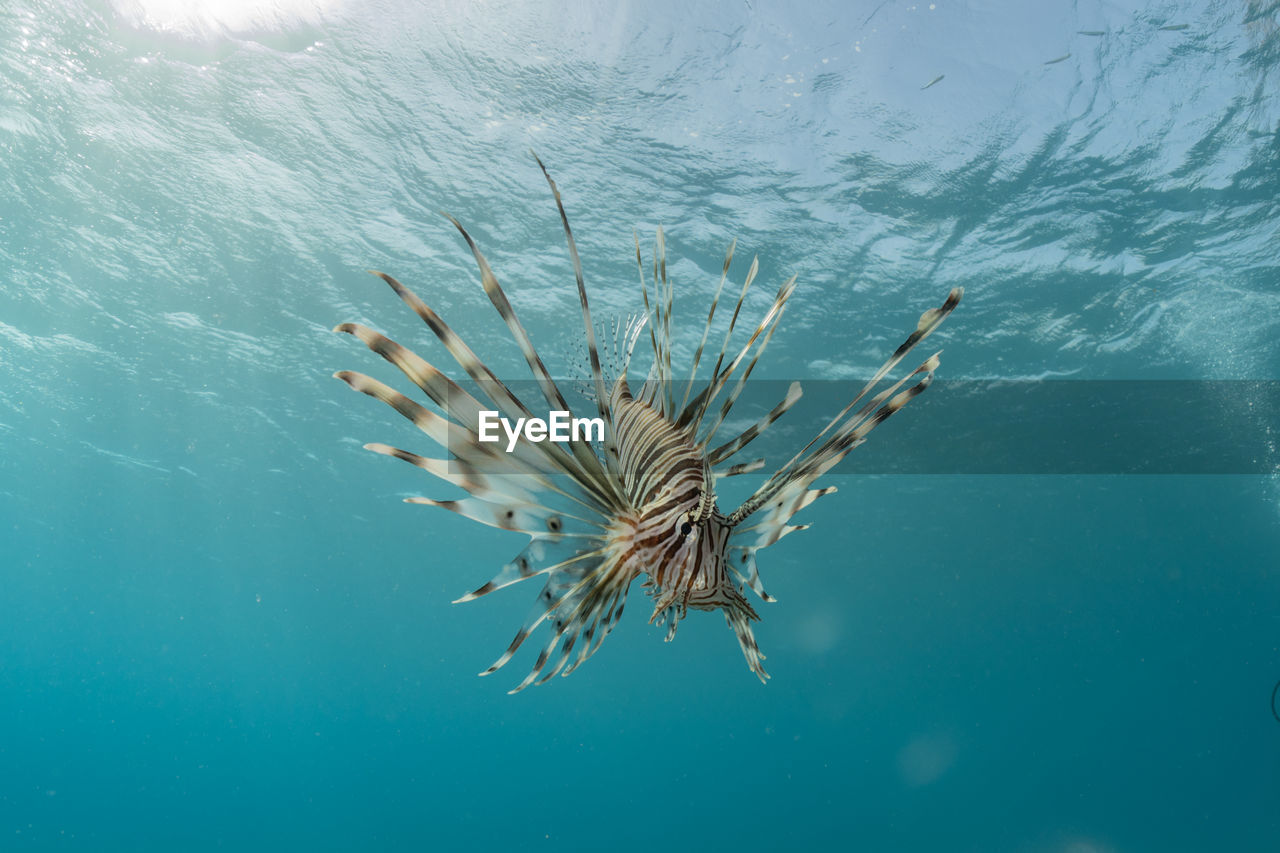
[642, 503]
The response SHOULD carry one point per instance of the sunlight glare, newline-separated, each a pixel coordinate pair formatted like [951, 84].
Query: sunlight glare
[207, 18]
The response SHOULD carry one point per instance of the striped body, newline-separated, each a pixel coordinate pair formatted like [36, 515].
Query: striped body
[642, 504]
[678, 537]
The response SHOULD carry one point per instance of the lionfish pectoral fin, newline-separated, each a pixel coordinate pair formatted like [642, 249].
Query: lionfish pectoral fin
[582, 601]
[512, 514]
[739, 615]
[578, 462]
[541, 556]
[470, 456]
[742, 562]
[770, 524]
[463, 474]
[586, 458]
[454, 431]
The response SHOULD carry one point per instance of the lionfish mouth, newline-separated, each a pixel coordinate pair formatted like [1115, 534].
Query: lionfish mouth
[600, 514]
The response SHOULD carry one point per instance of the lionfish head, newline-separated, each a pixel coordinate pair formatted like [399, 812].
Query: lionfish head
[686, 558]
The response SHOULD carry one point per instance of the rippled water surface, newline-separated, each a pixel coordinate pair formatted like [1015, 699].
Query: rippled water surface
[221, 629]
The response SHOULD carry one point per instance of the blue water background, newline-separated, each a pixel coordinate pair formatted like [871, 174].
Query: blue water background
[221, 629]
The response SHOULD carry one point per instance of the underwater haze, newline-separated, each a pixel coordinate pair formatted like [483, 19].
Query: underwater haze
[222, 628]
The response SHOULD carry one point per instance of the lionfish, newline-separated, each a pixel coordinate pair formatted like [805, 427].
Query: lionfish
[642, 502]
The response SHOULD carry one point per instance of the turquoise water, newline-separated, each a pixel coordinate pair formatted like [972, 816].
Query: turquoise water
[220, 627]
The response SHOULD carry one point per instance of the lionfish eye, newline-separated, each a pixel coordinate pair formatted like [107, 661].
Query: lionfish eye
[685, 528]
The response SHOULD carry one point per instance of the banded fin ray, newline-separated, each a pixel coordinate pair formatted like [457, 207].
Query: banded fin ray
[542, 556]
[579, 601]
[668, 300]
[694, 413]
[768, 325]
[555, 400]
[706, 329]
[731, 447]
[654, 326]
[593, 352]
[503, 399]
[463, 443]
[740, 468]
[929, 321]
[807, 465]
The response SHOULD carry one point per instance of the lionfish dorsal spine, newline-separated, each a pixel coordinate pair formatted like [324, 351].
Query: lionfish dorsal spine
[731, 447]
[593, 351]
[694, 414]
[768, 325]
[663, 301]
[655, 327]
[809, 463]
[706, 328]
